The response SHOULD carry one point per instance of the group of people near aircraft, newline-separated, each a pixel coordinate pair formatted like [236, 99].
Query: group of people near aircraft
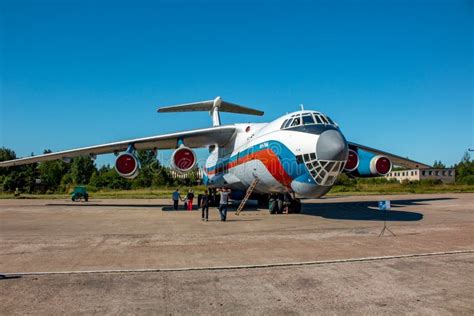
[206, 200]
[281, 203]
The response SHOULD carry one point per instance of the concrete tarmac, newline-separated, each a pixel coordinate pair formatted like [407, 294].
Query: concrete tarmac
[103, 235]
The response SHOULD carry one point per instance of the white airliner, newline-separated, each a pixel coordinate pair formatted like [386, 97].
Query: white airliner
[302, 152]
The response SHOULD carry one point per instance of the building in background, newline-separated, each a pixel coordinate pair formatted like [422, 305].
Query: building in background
[446, 175]
[194, 175]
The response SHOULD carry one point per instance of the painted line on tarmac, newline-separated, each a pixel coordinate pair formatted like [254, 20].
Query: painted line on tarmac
[241, 267]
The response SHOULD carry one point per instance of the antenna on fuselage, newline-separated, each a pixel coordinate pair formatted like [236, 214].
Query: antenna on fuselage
[302, 107]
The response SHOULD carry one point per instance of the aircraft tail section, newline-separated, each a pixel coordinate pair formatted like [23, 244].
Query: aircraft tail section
[213, 106]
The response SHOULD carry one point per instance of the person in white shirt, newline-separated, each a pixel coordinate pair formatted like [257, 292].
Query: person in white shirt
[224, 201]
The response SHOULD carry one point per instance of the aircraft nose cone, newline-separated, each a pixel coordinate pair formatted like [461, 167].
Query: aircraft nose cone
[331, 146]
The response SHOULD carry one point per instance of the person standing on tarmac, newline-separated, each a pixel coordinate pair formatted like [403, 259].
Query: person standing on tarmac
[205, 206]
[176, 198]
[190, 198]
[224, 203]
[287, 201]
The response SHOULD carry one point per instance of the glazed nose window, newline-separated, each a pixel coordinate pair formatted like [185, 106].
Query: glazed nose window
[308, 119]
[296, 122]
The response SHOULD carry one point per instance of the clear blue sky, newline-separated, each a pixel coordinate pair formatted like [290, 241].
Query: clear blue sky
[396, 75]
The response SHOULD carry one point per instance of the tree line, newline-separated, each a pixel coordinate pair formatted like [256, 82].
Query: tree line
[58, 176]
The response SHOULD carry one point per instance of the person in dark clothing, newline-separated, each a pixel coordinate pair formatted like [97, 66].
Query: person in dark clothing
[287, 202]
[280, 202]
[273, 204]
[205, 206]
[189, 199]
[176, 198]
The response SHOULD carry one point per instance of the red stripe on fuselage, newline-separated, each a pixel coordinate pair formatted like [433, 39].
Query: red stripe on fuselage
[269, 160]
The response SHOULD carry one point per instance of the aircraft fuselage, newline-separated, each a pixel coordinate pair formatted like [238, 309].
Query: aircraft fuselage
[303, 151]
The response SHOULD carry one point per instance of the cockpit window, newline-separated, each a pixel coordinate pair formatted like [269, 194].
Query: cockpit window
[308, 119]
[318, 119]
[296, 122]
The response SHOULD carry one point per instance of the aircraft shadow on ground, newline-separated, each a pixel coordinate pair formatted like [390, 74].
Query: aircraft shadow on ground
[367, 211]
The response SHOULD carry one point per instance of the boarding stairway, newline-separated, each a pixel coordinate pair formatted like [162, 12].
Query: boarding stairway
[247, 196]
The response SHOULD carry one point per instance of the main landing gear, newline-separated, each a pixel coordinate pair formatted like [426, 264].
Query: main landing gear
[278, 205]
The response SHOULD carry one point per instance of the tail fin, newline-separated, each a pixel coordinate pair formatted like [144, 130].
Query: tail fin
[214, 107]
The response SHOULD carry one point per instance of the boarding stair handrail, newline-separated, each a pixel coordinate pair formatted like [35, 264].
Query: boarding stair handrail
[247, 195]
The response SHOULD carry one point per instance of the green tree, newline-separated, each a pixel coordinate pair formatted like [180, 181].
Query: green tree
[438, 164]
[51, 172]
[21, 177]
[465, 169]
[29, 174]
[82, 169]
[98, 180]
[148, 165]
[6, 154]
[107, 178]
[161, 176]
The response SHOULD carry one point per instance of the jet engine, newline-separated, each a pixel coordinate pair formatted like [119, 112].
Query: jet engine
[127, 165]
[364, 164]
[352, 161]
[380, 165]
[183, 159]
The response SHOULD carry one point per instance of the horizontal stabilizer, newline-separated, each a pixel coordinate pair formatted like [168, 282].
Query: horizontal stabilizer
[222, 106]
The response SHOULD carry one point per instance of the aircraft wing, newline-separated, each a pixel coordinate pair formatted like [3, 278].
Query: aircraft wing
[396, 160]
[219, 135]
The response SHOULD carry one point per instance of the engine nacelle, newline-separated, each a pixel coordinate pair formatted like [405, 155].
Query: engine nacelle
[127, 165]
[380, 165]
[183, 159]
[365, 164]
[352, 161]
